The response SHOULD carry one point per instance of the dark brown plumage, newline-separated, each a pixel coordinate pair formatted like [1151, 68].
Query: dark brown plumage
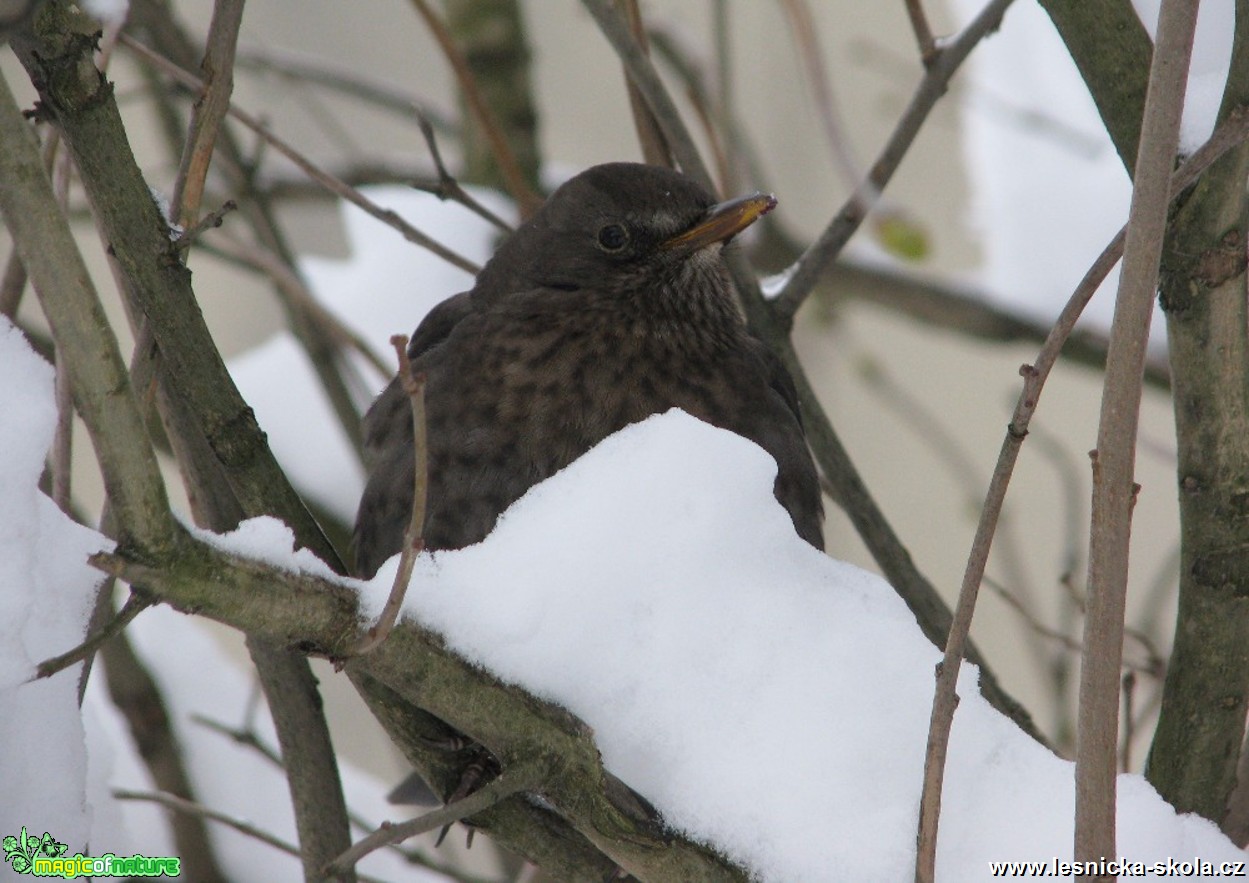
[611, 304]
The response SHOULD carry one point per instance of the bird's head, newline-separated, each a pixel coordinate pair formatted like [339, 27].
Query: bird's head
[623, 227]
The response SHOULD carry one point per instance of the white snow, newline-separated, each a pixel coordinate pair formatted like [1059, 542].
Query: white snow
[269, 540]
[1207, 73]
[109, 12]
[768, 699]
[1045, 204]
[58, 764]
[46, 592]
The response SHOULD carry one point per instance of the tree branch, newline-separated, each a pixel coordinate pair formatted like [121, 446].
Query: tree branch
[101, 387]
[319, 615]
[825, 249]
[1201, 727]
[1114, 491]
[334, 185]
[1233, 131]
[209, 110]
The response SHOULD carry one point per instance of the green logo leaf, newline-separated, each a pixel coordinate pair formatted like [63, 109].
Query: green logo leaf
[49, 847]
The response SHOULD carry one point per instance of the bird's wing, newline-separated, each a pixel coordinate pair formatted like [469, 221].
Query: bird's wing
[778, 376]
[438, 323]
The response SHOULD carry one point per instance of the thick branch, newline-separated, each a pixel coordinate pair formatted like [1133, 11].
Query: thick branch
[1193, 759]
[312, 613]
[101, 387]
[1112, 51]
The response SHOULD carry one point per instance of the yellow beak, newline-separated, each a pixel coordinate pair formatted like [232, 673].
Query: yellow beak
[723, 221]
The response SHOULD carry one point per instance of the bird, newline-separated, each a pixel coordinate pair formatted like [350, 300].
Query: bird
[611, 303]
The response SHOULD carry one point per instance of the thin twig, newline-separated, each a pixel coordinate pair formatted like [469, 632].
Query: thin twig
[1114, 461]
[725, 134]
[448, 187]
[513, 177]
[133, 607]
[923, 31]
[642, 74]
[12, 285]
[102, 391]
[655, 149]
[315, 172]
[524, 777]
[178, 804]
[299, 296]
[1231, 132]
[208, 111]
[349, 82]
[1030, 619]
[802, 27]
[277, 185]
[249, 739]
[210, 221]
[825, 249]
[1149, 667]
[724, 96]
[246, 737]
[1128, 684]
[413, 539]
[61, 455]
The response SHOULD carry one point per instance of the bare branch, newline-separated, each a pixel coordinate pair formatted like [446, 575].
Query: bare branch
[133, 607]
[803, 30]
[844, 224]
[217, 70]
[642, 74]
[349, 82]
[97, 373]
[334, 185]
[448, 187]
[923, 31]
[210, 221]
[1233, 130]
[1114, 491]
[282, 276]
[525, 197]
[414, 537]
[655, 148]
[525, 777]
[178, 804]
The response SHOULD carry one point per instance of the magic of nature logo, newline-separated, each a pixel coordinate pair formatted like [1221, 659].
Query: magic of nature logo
[45, 857]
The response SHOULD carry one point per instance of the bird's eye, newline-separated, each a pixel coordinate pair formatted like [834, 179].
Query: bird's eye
[613, 238]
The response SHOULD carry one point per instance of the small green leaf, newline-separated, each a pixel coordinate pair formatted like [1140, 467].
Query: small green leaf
[902, 237]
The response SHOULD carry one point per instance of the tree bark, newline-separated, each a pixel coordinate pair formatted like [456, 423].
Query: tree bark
[1193, 759]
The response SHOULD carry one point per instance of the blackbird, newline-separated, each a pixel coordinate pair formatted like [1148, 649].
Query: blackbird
[610, 304]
